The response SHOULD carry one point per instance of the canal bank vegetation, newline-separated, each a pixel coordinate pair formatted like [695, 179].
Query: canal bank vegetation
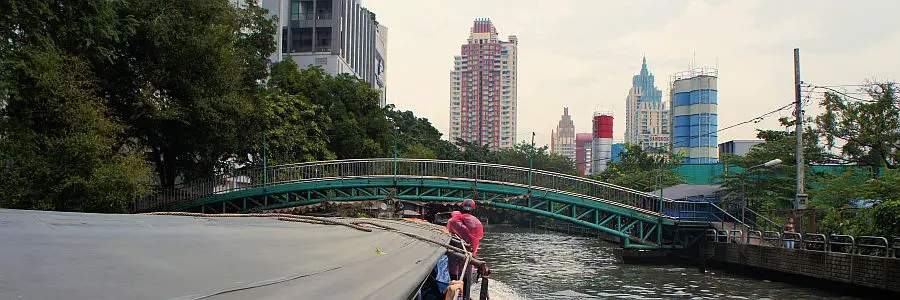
[642, 169]
[103, 102]
[854, 185]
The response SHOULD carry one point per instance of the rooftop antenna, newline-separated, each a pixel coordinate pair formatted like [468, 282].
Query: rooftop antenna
[694, 60]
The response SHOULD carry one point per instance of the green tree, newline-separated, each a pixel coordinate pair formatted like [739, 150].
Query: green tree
[294, 130]
[418, 151]
[416, 137]
[58, 147]
[773, 187]
[836, 190]
[358, 127]
[642, 169]
[886, 219]
[474, 152]
[520, 156]
[869, 130]
[883, 219]
[187, 81]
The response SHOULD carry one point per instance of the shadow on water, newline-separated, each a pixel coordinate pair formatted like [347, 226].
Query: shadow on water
[529, 264]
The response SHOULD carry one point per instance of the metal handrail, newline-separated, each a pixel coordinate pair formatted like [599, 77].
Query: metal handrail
[736, 220]
[736, 236]
[247, 178]
[712, 234]
[767, 220]
[896, 247]
[536, 171]
[758, 237]
[768, 237]
[861, 244]
[832, 241]
[796, 242]
[721, 236]
[821, 240]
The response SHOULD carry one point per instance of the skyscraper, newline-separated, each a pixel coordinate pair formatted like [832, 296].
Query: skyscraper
[646, 115]
[562, 139]
[694, 109]
[483, 89]
[340, 36]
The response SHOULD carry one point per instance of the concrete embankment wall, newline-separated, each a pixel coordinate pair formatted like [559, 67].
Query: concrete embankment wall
[853, 272]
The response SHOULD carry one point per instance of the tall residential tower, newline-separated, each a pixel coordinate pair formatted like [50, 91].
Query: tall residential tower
[562, 139]
[483, 89]
[646, 115]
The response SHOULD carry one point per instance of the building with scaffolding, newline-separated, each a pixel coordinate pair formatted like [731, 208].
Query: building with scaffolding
[694, 110]
[602, 141]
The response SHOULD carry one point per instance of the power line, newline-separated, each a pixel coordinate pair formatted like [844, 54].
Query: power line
[753, 120]
[856, 85]
[847, 94]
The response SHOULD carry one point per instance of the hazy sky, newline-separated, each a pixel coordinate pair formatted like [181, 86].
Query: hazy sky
[583, 54]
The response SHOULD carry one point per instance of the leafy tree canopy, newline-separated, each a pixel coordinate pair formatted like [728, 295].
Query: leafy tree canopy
[642, 169]
[866, 132]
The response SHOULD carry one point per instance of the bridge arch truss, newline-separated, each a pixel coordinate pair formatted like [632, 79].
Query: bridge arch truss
[639, 220]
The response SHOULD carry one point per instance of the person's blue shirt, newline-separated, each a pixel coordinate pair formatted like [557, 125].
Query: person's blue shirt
[442, 273]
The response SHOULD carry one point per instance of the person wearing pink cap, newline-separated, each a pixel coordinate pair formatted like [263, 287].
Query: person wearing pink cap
[463, 224]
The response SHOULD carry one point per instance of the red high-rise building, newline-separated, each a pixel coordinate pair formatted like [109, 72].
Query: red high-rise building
[583, 153]
[483, 89]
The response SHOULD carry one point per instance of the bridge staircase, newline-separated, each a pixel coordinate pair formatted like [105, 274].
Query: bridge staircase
[750, 230]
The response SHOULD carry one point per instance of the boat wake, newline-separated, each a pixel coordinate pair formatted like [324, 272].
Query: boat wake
[498, 291]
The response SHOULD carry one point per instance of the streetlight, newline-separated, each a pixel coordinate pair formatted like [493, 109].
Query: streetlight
[265, 167]
[395, 153]
[531, 164]
[767, 164]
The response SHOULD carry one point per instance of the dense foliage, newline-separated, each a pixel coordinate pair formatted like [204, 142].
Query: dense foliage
[858, 200]
[642, 169]
[773, 187]
[100, 101]
[866, 131]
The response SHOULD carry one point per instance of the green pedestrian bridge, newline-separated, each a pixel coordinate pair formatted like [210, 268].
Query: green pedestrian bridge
[638, 219]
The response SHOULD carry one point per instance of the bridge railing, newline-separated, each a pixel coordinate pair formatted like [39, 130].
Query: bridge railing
[249, 178]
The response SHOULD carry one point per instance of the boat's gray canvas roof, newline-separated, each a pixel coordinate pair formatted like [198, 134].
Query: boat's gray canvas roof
[55, 255]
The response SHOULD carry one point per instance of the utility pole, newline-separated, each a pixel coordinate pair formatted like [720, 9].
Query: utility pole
[800, 200]
[798, 112]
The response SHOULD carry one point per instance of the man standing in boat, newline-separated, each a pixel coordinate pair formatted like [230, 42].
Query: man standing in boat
[463, 224]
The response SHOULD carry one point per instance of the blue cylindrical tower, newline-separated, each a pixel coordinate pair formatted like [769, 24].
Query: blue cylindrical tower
[694, 108]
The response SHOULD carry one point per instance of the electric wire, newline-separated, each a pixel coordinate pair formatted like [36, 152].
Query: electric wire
[688, 139]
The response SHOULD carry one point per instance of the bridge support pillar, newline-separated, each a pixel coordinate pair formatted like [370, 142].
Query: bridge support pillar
[701, 249]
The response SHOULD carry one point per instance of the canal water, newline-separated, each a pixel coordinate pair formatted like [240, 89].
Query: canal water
[536, 264]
